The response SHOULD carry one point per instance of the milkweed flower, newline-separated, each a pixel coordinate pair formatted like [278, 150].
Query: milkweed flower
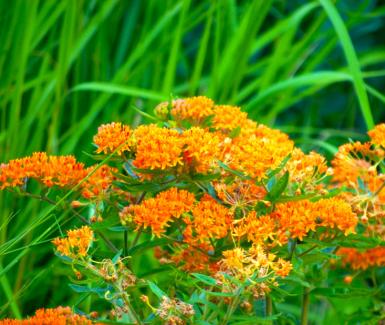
[256, 153]
[50, 170]
[377, 135]
[300, 217]
[362, 260]
[227, 118]
[201, 149]
[250, 265]
[156, 213]
[194, 109]
[157, 148]
[57, 316]
[76, 244]
[209, 219]
[305, 167]
[113, 136]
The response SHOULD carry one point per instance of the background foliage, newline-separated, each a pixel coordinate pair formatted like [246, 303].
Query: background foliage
[315, 69]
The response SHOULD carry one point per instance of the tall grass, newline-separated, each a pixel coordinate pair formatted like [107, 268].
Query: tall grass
[68, 66]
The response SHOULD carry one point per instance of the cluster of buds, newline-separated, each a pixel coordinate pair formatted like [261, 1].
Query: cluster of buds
[174, 311]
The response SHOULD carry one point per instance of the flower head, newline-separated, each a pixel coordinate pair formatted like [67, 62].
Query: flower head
[157, 148]
[113, 136]
[76, 244]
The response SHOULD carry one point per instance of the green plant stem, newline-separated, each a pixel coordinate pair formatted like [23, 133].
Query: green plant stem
[131, 310]
[269, 306]
[305, 306]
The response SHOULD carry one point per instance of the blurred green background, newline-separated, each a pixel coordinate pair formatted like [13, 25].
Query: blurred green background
[314, 69]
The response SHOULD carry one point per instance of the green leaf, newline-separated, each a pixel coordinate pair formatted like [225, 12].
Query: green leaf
[205, 279]
[279, 187]
[232, 171]
[156, 290]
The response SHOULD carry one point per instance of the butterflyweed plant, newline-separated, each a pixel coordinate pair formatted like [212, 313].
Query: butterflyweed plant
[238, 219]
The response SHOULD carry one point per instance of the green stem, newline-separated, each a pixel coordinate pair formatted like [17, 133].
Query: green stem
[269, 306]
[305, 306]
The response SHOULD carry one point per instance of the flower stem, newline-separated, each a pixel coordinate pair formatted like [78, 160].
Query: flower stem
[305, 306]
[269, 306]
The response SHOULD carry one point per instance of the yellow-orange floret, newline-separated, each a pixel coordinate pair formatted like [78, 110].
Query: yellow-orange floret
[57, 316]
[302, 167]
[194, 109]
[227, 118]
[63, 171]
[361, 260]
[201, 149]
[353, 161]
[209, 220]
[377, 135]
[99, 182]
[113, 136]
[156, 213]
[260, 229]
[259, 152]
[300, 217]
[252, 263]
[157, 148]
[76, 244]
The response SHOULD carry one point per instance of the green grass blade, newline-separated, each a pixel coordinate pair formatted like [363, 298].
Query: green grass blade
[352, 60]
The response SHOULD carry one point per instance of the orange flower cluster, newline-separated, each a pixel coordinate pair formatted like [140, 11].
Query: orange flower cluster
[245, 264]
[57, 316]
[76, 244]
[61, 171]
[240, 193]
[250, 266]
[227, 118]
[157, 148]
[258, 151]
[253, 150]
[361, 260]
[209, 220]
[354, 161]
[157, 212]
[377, 135]
[194, 110]
[296, 219]
[201, 149]
[99, 182]
[113, 136]
[305, 168]
[50, 170]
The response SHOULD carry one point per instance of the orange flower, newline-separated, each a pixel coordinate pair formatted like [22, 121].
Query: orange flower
[240, 193]
[245, 264]
[193, 109]
[50, 170]
[57, 316]
[228, 117]
[157, 148]
[361, 260]
[76, 244]
[377, 135]
[300, 217]
[209, 220]
[157, 212]
[305, 168]
[259, 229]
[353, 161]
[99, 182]
[112, 136]
[254, 154]
[201, 149]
